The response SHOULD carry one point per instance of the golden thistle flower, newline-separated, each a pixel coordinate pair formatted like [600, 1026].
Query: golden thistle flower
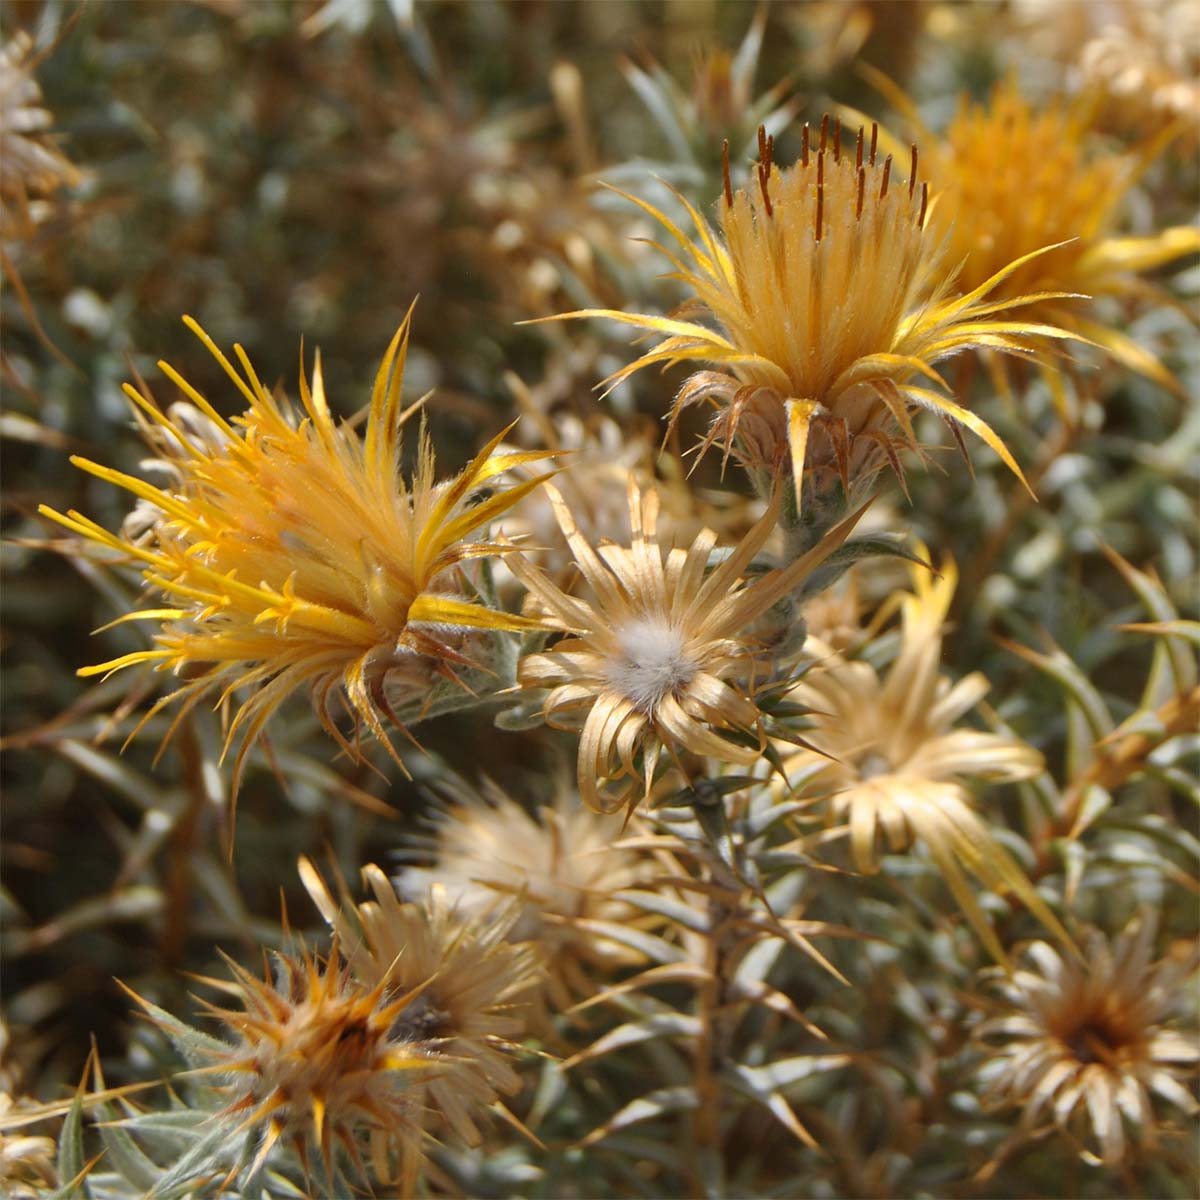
[559, 868]
[320, 1061]
[31, 166]
[1089, 1043]
[886, 753]
[1011, 180]
[460, 977]
[654, 658]
[826, 304]
[294, 554]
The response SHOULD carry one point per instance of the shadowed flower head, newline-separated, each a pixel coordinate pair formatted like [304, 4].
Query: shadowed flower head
[319, 1061]
[294, 554]
[1011, 179]
[663, 654]
[825, 302]
[887, 754]
[462, 980]
[560, 869]
[1089, 1044]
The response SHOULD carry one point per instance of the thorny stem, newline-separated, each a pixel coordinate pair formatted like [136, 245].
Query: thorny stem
[712, 1044]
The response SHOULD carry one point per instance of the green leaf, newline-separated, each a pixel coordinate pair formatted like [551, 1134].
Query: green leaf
[70, 1148]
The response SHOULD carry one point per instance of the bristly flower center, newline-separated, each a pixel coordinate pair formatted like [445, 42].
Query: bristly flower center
[652, 663]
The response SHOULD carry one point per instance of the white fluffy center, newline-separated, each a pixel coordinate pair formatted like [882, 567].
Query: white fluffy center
[652, 663]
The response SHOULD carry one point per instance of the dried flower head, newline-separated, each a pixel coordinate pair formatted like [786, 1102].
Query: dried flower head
[602, 457]
[1012, 179]
[294, 554]
[319, 1061]
[31, 165]
[560, 869]
[1139, 58]
[462, 980]
[827, 304]
[27, 1160]
[663, 655]
[1089, 1043]
[887, 754]
[1146, 65]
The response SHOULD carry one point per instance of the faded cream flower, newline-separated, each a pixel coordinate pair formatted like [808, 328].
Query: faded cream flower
[825, 302]
[1141, 58]
[558, 866]
[1146, 64]
[293, 554]
[1089, 1044]
[319, 1061]
[886, 753]
[1011, 179]
[462, 979]
[663, 657]
[31, 166]
[600, 456]
[27, 1160]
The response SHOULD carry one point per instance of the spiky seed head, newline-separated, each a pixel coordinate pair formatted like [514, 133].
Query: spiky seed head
[316, 1059]
[465, 984]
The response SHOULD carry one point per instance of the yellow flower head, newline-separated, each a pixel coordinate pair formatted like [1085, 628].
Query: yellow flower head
[1091, 1043]
[294, 554]
[888, 755]
[662, 655]
[826, 303]
[1012, 179]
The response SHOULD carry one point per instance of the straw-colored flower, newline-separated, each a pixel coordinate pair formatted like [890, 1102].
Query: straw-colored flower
[27, 1160]
[825, 302]
[1147, 66]
[31, 165]
[887, 754]
[1011, 179]
[319, 1061]
[663, 655]
[462, 979]
[559, 867]
[1141, 58]
[293, 554]
[1090, 1044]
